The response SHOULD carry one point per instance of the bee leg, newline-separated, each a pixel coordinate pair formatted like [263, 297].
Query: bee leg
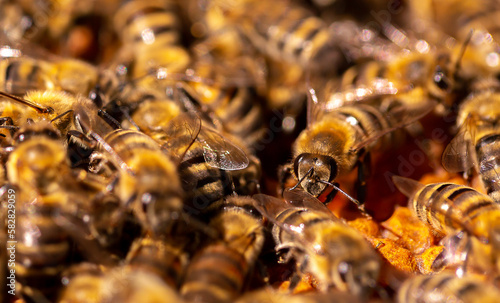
[363, 174]
[331, 195]
[6, 121]
[81, 136]
[295, 280]
[284, 172]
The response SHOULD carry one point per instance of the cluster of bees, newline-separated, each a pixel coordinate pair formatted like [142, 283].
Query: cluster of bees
[244, 151]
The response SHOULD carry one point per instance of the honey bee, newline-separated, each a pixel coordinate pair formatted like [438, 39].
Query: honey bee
[151, 30]
[146, 180]
[45, 193]
[28, 67]
[475, 144]
[163, 258]
[311, 44]
[446, 287]
[118, 284]
[218, 272]
[65, 111]
[270, 295]
[341, 140]
[208, 163]
[451, 209]
[234, 104]
[322, 245]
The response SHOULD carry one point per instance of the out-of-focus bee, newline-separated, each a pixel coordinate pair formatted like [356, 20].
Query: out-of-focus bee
[25, 67]
[218, 272]
[475, 145]
[235, 105]
[269, 295]
[339, 140]
[446, 287]
[46, 192]
[150, 32]
[118, 284]
[451, 209]
[310, 35]
[161, 257]
[322, 245]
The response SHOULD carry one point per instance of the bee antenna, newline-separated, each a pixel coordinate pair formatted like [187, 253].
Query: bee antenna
[312, 99]
[61, 115]
[10, 127]
[302, 179]
[361, 207]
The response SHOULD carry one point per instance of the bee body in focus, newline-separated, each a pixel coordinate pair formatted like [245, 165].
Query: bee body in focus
[321, 244]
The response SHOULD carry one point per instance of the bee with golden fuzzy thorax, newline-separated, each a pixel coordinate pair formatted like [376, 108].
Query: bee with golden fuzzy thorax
[321, 244]
[339, 140]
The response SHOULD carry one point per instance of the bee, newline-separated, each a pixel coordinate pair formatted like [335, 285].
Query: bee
[206, 160]
[452, 209]
[146, 179]
[162, 257]
[321, 244]
[45, 193]
[235, 105]
[65, 111]
[475, 146]
[218, 272]
[151, 30]
[445, 287]
[270, 295]
[342, 138]
[118, 284]
[294, 34]
[26, 67]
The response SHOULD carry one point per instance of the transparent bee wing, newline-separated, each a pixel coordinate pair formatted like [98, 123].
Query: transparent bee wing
[377, 88]
[458, 157]
[302, 199]
[407, 186]
[454, 252]
[404, 117]
[270, 207]
[22, 47]
[220, 152]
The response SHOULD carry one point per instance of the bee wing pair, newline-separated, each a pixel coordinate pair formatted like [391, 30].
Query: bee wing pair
[218, 151]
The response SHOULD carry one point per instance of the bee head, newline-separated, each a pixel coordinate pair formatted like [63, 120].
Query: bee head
[311, 169]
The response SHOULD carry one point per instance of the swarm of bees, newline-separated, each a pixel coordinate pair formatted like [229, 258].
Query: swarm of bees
[249, 151]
